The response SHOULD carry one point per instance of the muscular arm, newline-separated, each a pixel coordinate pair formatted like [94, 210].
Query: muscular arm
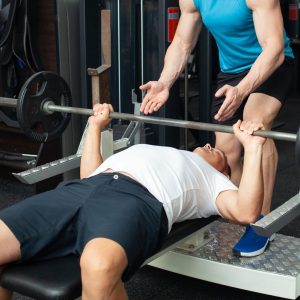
[244, 206]
[175, 59]
[269, 30]
[184, 42]
[91, 157]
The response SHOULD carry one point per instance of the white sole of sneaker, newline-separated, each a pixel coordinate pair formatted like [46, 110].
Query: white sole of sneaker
[260, 251]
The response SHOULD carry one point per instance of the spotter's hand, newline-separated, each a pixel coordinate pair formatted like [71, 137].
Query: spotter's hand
[157, 95]
[232, 102]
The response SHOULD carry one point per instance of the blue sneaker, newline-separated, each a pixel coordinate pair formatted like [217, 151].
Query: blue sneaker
[251, 244]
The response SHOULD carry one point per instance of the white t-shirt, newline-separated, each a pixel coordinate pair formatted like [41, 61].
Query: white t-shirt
[183, 181]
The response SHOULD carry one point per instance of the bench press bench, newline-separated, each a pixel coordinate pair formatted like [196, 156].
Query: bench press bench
[59, 278]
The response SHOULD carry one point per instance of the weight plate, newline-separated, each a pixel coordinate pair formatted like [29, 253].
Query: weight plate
[39, 88]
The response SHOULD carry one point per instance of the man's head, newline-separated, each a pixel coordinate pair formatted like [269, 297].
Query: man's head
[215, 157]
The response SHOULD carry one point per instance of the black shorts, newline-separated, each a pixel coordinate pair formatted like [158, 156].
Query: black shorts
[109, 205]
[277, 86]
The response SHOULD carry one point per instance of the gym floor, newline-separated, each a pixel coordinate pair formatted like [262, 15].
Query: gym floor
[151, 283]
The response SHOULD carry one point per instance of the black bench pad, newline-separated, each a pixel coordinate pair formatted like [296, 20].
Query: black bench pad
[59, 279]
[52, 279]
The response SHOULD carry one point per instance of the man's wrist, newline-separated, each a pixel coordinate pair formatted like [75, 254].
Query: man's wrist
[253, 148]
[245, 88]
[241, 92]
[166, 83]
[95, 127]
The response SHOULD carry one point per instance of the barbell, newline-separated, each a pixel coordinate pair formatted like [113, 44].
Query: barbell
[44, 109]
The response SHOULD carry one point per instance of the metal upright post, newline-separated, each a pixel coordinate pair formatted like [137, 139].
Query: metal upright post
[186, 103]
[205, 82]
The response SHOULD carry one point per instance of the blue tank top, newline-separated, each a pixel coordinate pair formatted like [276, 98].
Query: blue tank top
[231, 24]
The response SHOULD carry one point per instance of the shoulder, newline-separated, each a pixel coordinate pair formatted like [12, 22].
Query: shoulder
[258, 4]
[188, 6]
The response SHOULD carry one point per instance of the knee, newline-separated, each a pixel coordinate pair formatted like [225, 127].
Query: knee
[95, 263]
[97, 275]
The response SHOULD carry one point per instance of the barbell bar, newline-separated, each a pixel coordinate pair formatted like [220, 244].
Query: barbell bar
[283, 136]
[45, 99]
[49, 108]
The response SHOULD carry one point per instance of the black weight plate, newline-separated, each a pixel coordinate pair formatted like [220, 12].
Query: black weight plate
[298, 147]
[39, 88]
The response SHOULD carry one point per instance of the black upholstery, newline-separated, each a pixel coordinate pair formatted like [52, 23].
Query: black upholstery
[59, 278]
[52, 279]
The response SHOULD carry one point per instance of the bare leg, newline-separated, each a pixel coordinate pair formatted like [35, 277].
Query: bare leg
[9, 245]
[5, 294]
[119, 292]
[103, 262]
[264, 109]
[229, 144]
[9, 252]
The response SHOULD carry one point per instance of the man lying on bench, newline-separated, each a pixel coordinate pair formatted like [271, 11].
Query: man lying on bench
[122, 209]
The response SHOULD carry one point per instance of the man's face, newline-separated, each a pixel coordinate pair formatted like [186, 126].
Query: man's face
[213, 156]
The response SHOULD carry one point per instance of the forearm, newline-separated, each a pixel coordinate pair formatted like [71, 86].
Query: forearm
[267, 62]
[251, 190]
[175, 60]
[269, 30]
[184, 42]
[91, 156]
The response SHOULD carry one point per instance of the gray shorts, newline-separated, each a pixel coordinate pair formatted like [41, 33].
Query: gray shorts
[109, 205]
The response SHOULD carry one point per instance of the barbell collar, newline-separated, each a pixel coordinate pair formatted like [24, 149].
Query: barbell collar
[276, 135]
